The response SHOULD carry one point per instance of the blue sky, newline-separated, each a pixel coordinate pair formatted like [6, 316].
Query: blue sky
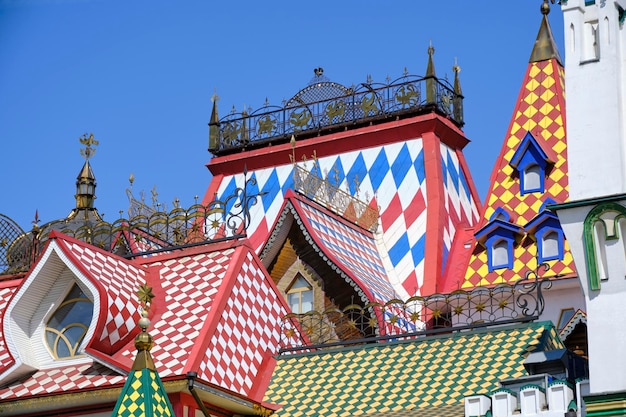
[140, 74]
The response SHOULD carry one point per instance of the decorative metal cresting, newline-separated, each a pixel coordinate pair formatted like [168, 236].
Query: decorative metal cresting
[323, 190]
[150, 230]
[325, 105]
[418, 316]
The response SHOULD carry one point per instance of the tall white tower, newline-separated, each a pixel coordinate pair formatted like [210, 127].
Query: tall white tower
[595, 89]
[594, 220]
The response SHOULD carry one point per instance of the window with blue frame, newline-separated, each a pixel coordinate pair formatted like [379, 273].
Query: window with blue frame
[498, 238]
[549, 244]
[531, 162]
[500, 251]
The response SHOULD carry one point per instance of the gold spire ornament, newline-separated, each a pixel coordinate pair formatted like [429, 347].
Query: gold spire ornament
[143, 394]
[88, 141]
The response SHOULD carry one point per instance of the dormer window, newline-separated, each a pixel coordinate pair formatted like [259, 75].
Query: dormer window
[531, 161]
[498, 237]
[548, 234]
[67, 326]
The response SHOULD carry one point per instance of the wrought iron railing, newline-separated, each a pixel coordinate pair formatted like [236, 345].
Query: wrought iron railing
[148, 232]
[332, 197]
[418, 316]
[329, 105]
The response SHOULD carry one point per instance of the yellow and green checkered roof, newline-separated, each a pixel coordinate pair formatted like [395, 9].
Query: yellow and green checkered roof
[424, 373]
[143, 395]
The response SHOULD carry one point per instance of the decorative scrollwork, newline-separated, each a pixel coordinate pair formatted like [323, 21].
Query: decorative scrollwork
[325, 104]
[145, 231]
[482, 306]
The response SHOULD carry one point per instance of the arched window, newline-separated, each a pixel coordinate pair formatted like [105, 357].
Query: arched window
[66, 328]
[532, 178]
[500, 254]
[300, 296]
[551, 245]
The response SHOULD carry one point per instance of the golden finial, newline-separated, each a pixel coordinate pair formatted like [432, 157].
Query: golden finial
[144, 341]
[145, 295]
[456, 67]
[88, 141]
[545, 7]
[431, 48]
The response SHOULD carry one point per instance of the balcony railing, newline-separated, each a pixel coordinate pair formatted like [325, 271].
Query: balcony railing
[326, 105]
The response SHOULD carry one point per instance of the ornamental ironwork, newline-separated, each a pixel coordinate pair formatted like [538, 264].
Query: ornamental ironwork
[147, 231]
[332, 197]
[418, 316]
[325, 105]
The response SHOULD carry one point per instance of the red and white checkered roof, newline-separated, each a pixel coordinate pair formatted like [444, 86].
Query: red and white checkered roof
[215, 312]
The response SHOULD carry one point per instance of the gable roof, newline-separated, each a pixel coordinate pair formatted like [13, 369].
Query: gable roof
[348, 249]
[216, 312]
[419, 373]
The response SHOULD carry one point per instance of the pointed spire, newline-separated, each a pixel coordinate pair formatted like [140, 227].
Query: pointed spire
[214, 129]
[457, 101]
[430, 69]
[143, 390]
[431, 86]
[545, 47]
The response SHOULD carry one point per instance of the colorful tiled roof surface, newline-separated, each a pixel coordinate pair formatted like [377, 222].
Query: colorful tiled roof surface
[540, 111]
[7, 289]
[118, 278]
[415, 374]
[216, 312]
[143, 395]
[348, 247]
[396, 175]
[63, 379]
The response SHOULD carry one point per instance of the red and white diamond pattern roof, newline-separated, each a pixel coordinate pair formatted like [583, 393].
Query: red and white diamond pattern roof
[214, 308]
[248, 330]
[119, 279]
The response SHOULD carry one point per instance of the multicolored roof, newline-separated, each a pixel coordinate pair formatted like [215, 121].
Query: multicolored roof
[346, 247]
[386, 164]
[538, 120]
[216, 312]
[414, 374]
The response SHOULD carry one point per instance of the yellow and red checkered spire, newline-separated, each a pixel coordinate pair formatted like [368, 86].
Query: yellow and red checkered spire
[539, 117]
[143, 394]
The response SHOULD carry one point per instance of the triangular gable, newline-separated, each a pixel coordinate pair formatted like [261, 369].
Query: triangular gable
[116, 279]
[68, 262]
[529, 145]
[578, 317]
[346, 247]
[435, 371]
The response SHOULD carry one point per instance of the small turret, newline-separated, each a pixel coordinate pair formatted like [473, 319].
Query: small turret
[86, 182]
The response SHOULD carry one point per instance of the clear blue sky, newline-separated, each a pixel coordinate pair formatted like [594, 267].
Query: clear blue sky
[140, 74]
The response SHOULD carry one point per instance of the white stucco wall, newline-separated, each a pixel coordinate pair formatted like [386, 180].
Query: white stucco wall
[595, 92]
[606, 309]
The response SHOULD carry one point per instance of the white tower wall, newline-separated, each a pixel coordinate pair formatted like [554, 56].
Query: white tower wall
[595, 71]
[595, 93]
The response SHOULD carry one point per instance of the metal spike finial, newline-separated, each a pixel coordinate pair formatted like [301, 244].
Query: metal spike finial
[456, 67]
[215, 98]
